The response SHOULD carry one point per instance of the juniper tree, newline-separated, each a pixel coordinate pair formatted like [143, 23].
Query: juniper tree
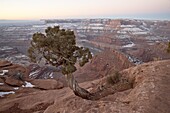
[58, 48]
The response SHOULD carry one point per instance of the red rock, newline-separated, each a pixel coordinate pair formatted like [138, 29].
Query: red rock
[101, 65]
[47, 84]
[13, 82]
[150, 94]
[13, 69]
[1, 80]
[147, 53]
[6, 88]
[4, 63]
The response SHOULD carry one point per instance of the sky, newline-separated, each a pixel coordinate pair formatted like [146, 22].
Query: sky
[59, 9]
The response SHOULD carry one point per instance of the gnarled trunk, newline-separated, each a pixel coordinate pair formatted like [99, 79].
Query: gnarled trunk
[81, 92]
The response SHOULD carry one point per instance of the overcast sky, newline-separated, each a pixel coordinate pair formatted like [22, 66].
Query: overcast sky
[44, 9]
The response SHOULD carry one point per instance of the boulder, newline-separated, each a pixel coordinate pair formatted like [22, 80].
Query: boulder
[13, 82]
[14, 69]
[4, 88]
[4, 63]
[1, 80]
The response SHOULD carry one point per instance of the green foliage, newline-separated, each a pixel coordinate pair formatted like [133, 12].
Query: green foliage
[168, 50]
[58, 47]
[114, 78]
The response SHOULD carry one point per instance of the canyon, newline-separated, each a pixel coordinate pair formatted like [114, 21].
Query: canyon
[137, 49]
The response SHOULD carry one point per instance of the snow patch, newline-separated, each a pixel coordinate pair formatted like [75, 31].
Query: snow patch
[129, 45]
[96, 24]
[140, 33]
[129, 26]
[51, 75]
[3, 72]
[34, 73]
[28, 84]
[1, 83]
[5, 48]
[5, 93]
[16, 88]
[132, 29]
[20, 56]
[123, 36]
[121, 32]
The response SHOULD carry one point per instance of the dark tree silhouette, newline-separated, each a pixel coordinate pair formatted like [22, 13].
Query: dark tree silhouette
[58, 48]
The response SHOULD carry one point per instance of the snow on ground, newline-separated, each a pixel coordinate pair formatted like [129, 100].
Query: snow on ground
[140, 33]
[129, 45]
[96, 24]
[16, 88]
[21, 56]
[1, 83]
[51, 75]
[144, 28]
[132, 29]
[5, 48]
[123, 36]
[155, 38]
[34, 73]
[90, 28]
[129, 26]
[121, 32]
[3, 72]
[5, 93]
[28, 84]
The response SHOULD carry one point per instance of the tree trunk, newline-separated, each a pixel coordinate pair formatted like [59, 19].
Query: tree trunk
[81, 92]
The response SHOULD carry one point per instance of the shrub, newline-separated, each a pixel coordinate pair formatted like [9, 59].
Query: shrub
[114, 78]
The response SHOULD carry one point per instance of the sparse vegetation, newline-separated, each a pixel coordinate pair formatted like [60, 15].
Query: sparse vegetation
[156, 58]
[114, 78]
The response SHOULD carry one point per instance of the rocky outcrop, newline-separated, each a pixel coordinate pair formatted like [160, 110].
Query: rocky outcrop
[12, 54]
[15, 78]
[151, 87]
[40, 72]
[150, 94]
[102, 64]
[4, 63]
[13, 81]
[157, 51]
[47, 84]
[14, 69]
[4, 87]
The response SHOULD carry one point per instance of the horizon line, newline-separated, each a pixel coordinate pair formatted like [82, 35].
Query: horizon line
[116, 18]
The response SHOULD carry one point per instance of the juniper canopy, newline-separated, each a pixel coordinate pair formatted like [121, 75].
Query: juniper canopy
[58, 48]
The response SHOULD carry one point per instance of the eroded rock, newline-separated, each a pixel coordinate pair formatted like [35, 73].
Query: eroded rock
[47, 84]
